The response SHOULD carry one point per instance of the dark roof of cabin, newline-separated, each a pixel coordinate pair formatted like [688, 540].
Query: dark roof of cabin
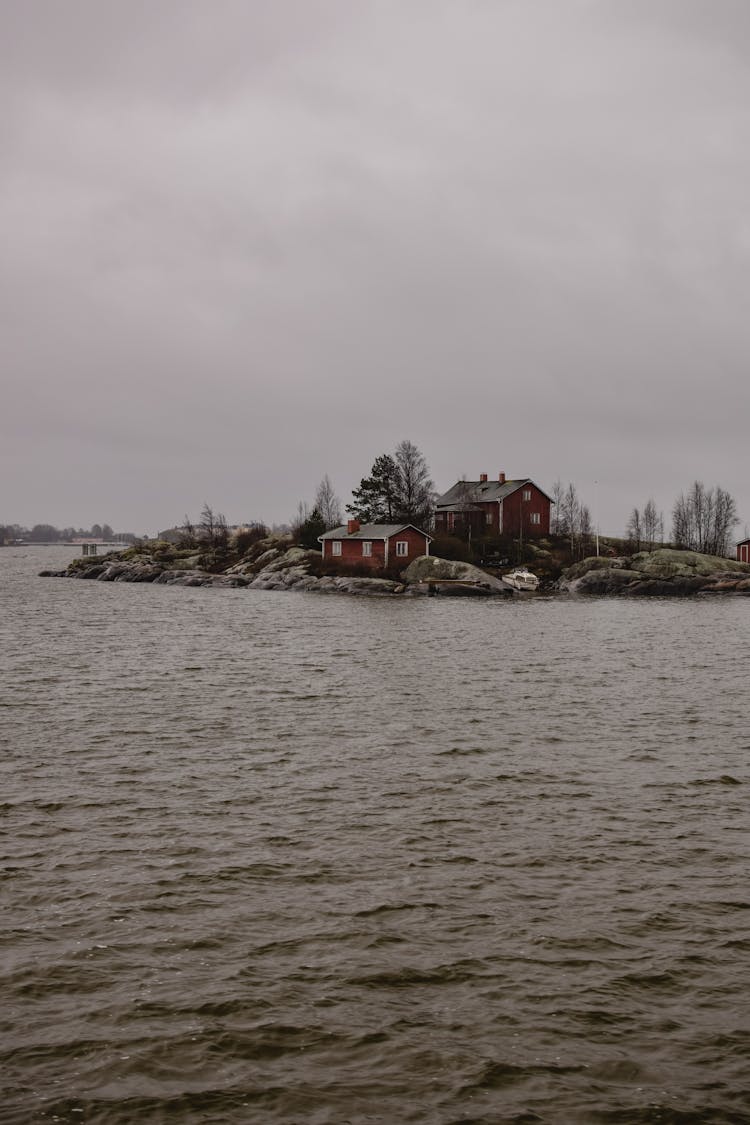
[481, 492]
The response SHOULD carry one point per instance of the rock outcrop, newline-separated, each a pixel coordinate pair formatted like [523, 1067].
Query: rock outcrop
[277, 568]
[451, 578]
[661, 573]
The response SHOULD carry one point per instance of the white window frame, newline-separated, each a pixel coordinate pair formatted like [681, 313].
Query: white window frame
[535, 518]
[488, 517]
[336, 547]
[402, 548]
[366, 548]
[526, 494]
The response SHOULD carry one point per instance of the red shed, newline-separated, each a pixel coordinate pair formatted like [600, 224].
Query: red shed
[375, 544]
[495, 507]
[743, 551]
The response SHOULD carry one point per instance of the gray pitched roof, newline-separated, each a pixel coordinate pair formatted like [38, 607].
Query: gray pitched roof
[480, 492]
[371, 531]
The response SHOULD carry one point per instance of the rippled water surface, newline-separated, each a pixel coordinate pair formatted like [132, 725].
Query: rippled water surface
[275, 857]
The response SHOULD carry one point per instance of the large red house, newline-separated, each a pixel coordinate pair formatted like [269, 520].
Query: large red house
[743, 551]
[375, 544]
[494, 507]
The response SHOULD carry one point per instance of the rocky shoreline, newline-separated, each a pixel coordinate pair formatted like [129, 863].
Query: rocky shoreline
[660, 573]
[286, 568]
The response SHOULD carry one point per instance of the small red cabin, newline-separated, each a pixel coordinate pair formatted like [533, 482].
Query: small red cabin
[743, 551]
[376, 545]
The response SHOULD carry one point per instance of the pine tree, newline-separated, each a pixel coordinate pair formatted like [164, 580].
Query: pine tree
[309, 531]
[376, 498]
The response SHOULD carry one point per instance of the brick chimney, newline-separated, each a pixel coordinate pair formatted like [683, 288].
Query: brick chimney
[482, 478]
[352, 527]
[501, 478]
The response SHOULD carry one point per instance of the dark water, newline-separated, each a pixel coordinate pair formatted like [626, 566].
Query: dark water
[292, 858]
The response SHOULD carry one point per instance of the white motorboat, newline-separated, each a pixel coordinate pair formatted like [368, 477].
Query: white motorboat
[521, 579]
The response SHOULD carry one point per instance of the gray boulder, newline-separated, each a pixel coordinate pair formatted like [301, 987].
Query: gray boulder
[294, 557]
[601, 580]
[278, 578]
[430, 569]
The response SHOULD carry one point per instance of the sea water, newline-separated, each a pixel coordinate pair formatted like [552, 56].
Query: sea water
[277, 857]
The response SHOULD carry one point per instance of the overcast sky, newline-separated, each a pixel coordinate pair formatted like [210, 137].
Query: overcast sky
[244, 243]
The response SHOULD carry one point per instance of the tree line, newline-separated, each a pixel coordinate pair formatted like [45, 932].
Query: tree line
[47, 533]
[703, 519]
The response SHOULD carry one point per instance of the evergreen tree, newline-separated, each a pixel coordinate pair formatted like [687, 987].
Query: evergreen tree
[309, 531]
[398, 489]
[376, 499]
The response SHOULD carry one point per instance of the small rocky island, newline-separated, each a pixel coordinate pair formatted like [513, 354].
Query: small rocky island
[275, 564]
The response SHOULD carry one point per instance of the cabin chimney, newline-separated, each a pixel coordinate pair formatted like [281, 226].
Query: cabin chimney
[501, 478]
[482, 478]
[352, 527]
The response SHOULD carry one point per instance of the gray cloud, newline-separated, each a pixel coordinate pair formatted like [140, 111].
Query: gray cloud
[244, 245]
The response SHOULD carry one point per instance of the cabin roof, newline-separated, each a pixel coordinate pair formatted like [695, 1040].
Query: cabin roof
[481, 492]
[372, 531]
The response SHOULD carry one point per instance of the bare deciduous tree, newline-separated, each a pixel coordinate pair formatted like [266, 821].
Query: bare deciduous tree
[328, 504]
[585, 530]
[634, 530]
[301, 516]
[572, 519]
[702, 519]
[416, 492]
[187, 532]
[645, 529]
[570, 512]
[650, 525]
[558, 492]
